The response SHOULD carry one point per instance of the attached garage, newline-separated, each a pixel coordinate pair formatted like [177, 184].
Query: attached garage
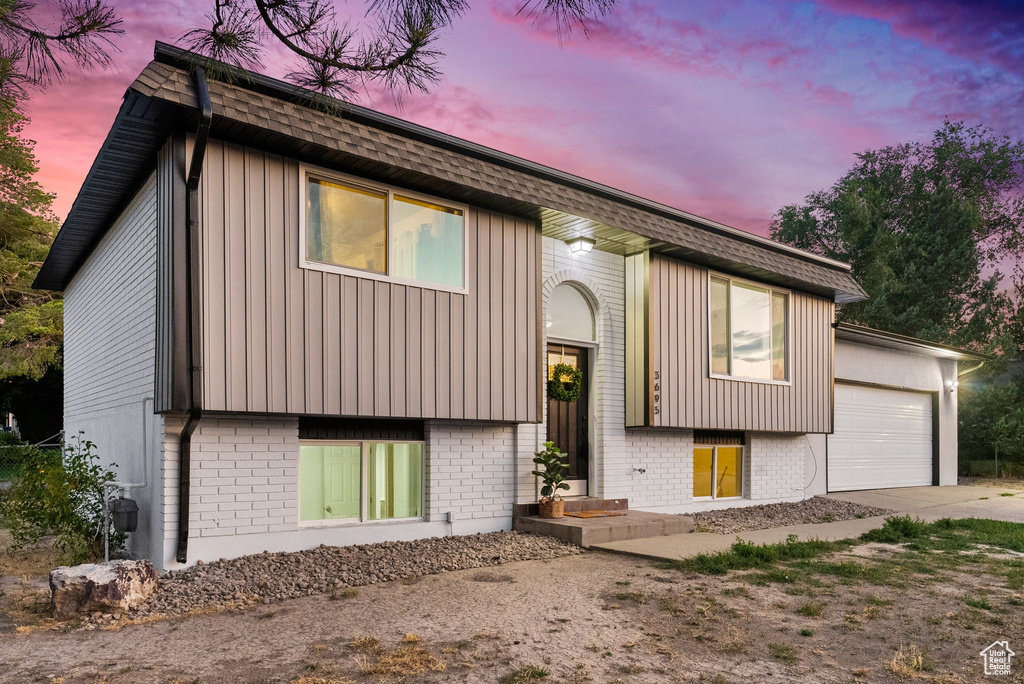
[882, 438]
[895, 404]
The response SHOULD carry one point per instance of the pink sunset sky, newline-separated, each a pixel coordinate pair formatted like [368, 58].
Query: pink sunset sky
[727, 109]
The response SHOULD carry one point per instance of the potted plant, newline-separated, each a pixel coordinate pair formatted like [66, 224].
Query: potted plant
[551, 468]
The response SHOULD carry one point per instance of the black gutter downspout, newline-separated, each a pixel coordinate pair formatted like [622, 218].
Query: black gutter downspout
[192, 285]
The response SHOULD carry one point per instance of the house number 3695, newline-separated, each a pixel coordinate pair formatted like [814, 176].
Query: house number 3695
[657, 392]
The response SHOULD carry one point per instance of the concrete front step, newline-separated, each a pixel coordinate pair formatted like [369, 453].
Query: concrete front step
[586, 532]
[574, 505]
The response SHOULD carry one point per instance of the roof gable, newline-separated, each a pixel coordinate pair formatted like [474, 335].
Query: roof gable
[262, 112]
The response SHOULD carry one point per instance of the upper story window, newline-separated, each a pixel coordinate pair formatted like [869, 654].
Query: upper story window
[749, 331]
[359, 228]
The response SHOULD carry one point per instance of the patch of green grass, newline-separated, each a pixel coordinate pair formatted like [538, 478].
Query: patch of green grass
[948, 535]
[897, 529]
[637, 597]
[980, 602]
[1006, 494]
[783, 652]
[849, 572]
[814, 610]
[525, 675]
[806, 632]
[744, 555]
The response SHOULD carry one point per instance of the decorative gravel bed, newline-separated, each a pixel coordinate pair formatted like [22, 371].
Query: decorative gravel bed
[815, 510]
[267, 577]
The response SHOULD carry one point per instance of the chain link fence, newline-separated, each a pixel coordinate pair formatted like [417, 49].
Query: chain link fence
[14, 452]
[984, 459]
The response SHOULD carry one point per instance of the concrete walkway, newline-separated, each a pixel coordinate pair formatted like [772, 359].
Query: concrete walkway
[927, 503]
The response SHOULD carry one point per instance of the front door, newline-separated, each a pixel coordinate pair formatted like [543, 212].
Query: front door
[568, 425]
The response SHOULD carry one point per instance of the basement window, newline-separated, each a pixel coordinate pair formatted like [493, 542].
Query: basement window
[351, 482]
[354, 227]
[717, 472]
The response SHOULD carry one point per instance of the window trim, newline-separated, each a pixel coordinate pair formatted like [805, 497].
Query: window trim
[789, 328]
[364, 450]
[714, 469]
[307, 171]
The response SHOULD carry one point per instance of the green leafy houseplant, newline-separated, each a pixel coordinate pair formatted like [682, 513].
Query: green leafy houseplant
[60, 492]
[551, 470]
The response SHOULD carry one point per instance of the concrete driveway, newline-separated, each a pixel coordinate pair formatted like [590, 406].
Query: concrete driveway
[931, 503]
[927, 503]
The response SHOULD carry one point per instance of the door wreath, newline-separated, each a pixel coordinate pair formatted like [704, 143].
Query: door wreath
[560, 389]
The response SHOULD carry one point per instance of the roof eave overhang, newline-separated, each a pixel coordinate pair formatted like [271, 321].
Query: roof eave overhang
[881, 338]
[146, 119]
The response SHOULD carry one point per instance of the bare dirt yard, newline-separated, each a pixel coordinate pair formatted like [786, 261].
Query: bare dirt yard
[913, 602]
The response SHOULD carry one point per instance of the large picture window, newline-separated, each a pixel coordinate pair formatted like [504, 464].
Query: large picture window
[359, 481]
[374, 231]
[749, 331]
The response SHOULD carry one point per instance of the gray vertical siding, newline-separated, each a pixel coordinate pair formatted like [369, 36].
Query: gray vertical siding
[638, 396]
[278, 338]
[690, 398]
[170, 392]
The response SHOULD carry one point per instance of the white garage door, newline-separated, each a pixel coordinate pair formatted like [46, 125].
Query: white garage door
[883, 438]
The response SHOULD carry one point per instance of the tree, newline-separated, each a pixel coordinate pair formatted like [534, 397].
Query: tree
[31, 53]
[924, 227]
[31, 321]
[34, 54]
[398, 52]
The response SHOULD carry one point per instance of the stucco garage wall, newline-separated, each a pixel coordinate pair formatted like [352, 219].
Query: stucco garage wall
[907, 370]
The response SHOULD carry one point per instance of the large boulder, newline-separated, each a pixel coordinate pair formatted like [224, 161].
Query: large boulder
[112, 587]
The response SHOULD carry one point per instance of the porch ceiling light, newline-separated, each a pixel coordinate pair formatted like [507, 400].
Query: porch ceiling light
[581, 245]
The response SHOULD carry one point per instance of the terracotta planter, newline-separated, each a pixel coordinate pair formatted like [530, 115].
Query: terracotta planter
[552, 508]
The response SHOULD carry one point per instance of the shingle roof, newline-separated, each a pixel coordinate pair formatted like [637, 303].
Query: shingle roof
[266, 113]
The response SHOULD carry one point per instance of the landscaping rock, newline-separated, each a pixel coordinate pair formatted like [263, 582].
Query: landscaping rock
[98, 588]
[818, 509]
[268, 577]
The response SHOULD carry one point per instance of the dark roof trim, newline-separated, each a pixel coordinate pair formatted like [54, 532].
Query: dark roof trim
[881, 338]
[283, 119]
[182, 59]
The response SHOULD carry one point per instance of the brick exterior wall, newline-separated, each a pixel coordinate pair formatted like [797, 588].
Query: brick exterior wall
[244, 494]
[775, 464]
[110, 318]
[776, 467]
[245, 476]
[470, 472]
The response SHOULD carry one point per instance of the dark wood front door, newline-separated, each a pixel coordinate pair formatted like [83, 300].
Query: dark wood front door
[568, 424]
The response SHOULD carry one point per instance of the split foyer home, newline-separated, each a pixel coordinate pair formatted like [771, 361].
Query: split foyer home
[293, 321]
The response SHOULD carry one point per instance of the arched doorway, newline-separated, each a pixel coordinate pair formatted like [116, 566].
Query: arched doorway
[571, 329]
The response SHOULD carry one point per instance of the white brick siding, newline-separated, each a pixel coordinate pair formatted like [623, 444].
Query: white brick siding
[109, 356]
[775, 464]
[470, 471]
[245, 476]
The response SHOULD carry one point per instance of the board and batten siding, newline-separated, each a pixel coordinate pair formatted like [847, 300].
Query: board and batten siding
[683, 393]
[282, 339]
